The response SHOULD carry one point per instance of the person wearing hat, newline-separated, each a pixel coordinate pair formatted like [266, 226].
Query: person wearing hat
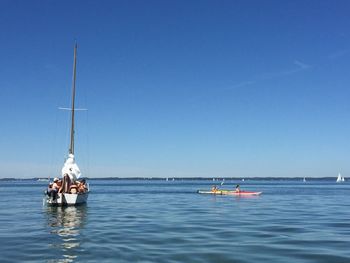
[56, 183]
[53, 190]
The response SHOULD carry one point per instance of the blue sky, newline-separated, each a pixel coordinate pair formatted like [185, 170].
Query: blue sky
[177, 88]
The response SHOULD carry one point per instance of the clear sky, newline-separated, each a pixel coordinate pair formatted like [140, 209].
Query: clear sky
[177, 88]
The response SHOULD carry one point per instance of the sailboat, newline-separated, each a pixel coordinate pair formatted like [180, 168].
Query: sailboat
[340, 178]
[70, 168]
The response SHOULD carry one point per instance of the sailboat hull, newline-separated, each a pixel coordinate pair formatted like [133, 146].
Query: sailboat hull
[65, 199]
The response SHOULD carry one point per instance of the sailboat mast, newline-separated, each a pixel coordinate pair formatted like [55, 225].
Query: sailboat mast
[71, 147]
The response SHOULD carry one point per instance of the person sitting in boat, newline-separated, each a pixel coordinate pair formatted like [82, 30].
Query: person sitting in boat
[66, 183]
[238, 188]
[214, 188]
[82, 188]
[54, 188]
[73, 189]
[49, 189]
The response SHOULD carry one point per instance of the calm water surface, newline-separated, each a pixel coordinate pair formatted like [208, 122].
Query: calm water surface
[160, 221]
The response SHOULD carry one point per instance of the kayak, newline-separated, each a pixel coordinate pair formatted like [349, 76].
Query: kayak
[228, 192]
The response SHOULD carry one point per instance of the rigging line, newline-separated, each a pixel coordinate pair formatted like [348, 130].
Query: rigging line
[88, 144]
[67, 135]
[53, 149]
[87, 118]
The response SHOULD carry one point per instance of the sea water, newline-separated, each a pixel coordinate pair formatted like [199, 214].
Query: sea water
[167, 221]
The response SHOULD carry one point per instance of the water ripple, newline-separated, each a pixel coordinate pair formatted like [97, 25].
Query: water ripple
[139, 222]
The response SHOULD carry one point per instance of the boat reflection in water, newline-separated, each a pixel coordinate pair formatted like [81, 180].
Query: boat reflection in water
[66, 225]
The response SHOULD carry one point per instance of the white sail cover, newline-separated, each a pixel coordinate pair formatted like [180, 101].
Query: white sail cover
[71, 168]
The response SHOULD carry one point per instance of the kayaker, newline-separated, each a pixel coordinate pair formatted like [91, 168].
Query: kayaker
[214, 188]
[237, 188]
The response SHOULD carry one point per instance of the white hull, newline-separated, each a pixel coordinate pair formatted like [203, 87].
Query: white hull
[67, 199]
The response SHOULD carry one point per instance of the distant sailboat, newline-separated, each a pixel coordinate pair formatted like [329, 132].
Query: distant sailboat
[304, 180]
[70, 168]
[340, 178]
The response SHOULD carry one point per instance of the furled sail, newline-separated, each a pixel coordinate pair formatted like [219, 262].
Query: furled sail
[71, 168]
